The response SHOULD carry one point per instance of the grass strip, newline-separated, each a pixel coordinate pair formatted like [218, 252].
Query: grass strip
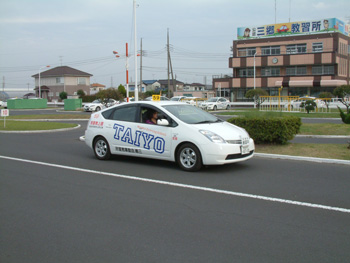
[325, 129]
[33, 125]
[329, 151]
[256, 113]
[49, 116]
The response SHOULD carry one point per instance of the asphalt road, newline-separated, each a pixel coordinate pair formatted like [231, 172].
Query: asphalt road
[59, 203]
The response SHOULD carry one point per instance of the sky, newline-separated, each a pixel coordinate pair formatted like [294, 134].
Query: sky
[84, 33]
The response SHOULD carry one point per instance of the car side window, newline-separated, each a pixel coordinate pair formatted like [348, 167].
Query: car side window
[122, 114]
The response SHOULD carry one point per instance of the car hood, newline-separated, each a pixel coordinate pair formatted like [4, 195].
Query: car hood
[226, 130]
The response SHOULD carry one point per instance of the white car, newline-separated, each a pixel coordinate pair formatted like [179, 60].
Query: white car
[96, 105]
[216, 103]
[162, 98]
[183, 134]
[178, 98]
[295, 104]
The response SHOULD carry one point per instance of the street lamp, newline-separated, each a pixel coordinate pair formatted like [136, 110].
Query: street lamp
[39, 79]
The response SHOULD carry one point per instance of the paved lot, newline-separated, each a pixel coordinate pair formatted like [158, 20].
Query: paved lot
[60, 204]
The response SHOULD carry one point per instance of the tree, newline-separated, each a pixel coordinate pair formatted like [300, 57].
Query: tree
[324, 96]
[342, 92]
[309, 105]
[63, 95]
[255, 94]
[111, 93]
[122, 90]
[81, 93]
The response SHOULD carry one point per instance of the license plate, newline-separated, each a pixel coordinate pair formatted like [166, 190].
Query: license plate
[244, 149]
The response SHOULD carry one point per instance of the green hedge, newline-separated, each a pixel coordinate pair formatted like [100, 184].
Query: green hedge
[277, 130]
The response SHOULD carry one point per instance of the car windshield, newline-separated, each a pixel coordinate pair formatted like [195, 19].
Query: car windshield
[212, 100]
[96, 101]
[191, 114]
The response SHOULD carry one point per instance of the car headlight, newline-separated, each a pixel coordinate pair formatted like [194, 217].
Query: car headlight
[212, 136]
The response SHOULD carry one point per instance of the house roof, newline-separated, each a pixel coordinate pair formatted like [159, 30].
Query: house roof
[62, 71]
[97, 85]
[147, 82]
[196, 84]
[165, 82]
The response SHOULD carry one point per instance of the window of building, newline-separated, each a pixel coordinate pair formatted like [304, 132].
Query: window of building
[273, 50]
[246, 72]
[81, 81]
[317, 47]
[322, 70]
[246, 52]
[270, 71]
[60, 80]
[295, 49]
[293, 71]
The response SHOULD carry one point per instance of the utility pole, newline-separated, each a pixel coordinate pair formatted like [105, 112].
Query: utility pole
[170, 68]
[3, 83]
[135, 54]
[168, 49]
[141, 67]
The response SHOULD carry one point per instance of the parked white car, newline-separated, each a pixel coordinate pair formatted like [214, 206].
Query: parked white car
[178, 98]
[216, 103]
[97, 105]
[183, 134]
[295, 104]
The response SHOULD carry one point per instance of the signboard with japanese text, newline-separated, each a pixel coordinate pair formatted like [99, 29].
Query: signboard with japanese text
[5, 113]
[292, 28]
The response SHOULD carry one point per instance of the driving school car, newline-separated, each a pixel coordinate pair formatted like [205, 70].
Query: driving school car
[184, 134]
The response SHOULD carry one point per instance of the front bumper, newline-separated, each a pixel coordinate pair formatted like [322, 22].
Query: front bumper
[227, 153]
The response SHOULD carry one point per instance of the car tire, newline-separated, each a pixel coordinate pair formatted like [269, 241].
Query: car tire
[97, 109]
[214, 108]
[227, 107]
[189, 158]
[101, 148]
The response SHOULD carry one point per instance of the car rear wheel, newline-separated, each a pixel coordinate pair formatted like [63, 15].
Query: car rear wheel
[189, 158]
[101, 149]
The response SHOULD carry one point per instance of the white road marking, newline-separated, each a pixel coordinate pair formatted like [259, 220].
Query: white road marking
[200, 188]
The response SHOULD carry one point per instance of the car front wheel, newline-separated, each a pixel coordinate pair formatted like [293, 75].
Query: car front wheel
[214, 109]
[98, 108]
[189, 158]
[101, 149]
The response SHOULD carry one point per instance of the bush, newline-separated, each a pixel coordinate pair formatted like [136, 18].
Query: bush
[89, 98]
[269, 130]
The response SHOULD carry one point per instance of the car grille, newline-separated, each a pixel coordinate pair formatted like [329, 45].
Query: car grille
[238, 156]
[243, 141]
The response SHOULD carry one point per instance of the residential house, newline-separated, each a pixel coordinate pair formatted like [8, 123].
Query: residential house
[59, 79]
[96, 87]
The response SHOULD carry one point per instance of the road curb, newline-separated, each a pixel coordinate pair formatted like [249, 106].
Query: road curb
[323, 136]
[302, 158]
[43, 131]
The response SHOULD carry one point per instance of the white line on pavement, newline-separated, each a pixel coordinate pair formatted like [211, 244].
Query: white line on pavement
[200, 188]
